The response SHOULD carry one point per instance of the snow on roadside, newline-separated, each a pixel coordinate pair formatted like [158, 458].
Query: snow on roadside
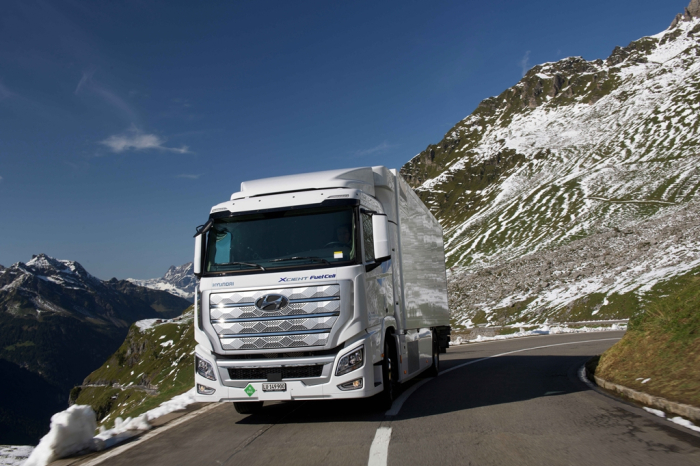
[72, 431]
[656, 412]
[676, 420]
[11, 455]
[543, 330]
[685, 423]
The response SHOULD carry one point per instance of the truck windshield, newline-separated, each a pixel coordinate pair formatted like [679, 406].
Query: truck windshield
[314, 237]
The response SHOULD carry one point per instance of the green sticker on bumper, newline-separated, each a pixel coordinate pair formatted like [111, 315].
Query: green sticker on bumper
[249, 390]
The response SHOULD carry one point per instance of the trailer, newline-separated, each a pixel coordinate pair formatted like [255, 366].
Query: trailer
[323, 285]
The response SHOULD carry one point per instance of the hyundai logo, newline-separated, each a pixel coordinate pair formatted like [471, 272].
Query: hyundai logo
[272, 302]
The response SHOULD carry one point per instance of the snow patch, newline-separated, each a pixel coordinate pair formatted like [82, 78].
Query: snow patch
[145, 324]
[71, 431]
[656, 412]
[685, 423]
[676, 420]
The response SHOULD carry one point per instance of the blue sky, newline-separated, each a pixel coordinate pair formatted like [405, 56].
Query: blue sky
[122, 123]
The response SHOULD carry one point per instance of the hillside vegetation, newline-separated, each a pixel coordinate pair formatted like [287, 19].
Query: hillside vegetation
[154, 363]
[660, 353]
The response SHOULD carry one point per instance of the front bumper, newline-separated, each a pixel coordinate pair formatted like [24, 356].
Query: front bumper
[311, 388]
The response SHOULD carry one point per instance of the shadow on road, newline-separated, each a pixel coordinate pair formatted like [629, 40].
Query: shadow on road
[507, 379]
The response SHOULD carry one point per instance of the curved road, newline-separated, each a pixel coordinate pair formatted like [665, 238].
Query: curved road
[518, 401]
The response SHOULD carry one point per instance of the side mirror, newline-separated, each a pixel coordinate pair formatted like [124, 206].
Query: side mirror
[197, 255]
[380, 230]
[199, 247]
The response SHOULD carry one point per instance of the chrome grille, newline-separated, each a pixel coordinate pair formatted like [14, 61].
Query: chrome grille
[275, 341]
[249, 311]
[305, 321]
[275, 326]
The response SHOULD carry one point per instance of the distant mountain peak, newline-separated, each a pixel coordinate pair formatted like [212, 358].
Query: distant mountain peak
[177, 273]
[690, 12]
[43, 262]
[45, 266]
[178, 280]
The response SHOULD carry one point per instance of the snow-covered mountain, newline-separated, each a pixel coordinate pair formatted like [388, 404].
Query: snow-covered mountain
[179, 281]
[45, 285]
[582, 180]
[57, 324]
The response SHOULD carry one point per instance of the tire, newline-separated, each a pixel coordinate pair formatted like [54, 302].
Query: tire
[248, 407]
[435, 368]
[390, 375]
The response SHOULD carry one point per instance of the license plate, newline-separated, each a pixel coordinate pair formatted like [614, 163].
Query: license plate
[274, 387]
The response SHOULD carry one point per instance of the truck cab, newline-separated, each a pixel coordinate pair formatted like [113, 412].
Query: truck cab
[323, 285]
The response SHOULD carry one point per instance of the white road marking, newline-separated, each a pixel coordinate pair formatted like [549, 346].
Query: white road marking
[398, 403]
[379, 451]
[520, 351]
[584, 379]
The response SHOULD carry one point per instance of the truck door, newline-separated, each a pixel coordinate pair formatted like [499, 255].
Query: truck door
[378, 279]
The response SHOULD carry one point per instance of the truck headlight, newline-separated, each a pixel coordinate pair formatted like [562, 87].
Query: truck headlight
[204, 368]
[351, 361]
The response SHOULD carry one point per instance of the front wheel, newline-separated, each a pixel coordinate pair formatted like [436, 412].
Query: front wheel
[390, 376]
[248, 407]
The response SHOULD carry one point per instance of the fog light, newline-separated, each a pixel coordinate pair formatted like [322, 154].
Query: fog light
[352, 385]
[204, 390]
[204, 368]
[351, 361]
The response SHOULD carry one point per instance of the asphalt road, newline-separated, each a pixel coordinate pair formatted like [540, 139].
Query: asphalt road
[526, 407]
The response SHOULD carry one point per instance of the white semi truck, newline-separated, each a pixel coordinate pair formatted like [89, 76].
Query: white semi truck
[318, 286]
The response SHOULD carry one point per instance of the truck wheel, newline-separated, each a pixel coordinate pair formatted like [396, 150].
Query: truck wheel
[390, 370]
[435, 368]
[248, 407]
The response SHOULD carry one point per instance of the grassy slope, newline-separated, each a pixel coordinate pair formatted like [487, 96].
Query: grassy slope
[663, 344]
[145, 372]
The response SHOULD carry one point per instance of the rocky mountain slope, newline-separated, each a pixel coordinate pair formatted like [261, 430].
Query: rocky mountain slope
[154, 363]
[58, 323]
[179, 281]
[579, 183]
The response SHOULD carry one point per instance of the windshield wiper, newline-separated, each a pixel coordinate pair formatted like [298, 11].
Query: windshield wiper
[250, 264]
[311, 258]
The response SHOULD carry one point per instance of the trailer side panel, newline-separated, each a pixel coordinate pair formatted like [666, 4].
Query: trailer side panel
[422, 262]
